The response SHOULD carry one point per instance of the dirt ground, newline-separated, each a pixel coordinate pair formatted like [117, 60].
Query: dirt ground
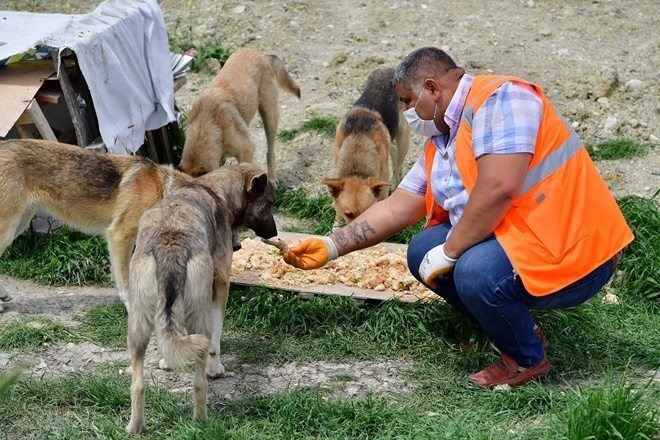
[597, 60]
[65, 304]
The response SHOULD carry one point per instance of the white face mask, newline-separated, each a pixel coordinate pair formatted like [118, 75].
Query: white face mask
[421, 126]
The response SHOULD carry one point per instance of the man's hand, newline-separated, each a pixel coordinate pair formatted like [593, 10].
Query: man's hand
[312, 253]
[434, 264]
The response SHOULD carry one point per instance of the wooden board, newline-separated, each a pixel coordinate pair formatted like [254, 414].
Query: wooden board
[251, 278]
[19, 82]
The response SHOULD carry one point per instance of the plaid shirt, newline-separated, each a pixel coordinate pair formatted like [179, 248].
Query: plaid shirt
[506, 123]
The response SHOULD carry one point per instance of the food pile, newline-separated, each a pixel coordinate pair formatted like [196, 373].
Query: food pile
[376, 268]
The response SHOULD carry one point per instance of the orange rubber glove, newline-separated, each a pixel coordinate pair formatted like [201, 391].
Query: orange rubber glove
[312, 253]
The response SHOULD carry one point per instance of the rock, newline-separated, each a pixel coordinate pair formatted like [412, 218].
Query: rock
[230, 362]
[339, 58]
[326, 64]
[238, 9]
[2, 308]
[563, 52]
[475, 64]
[604, 101]
[445, 48]
[611, 298]
[530, 3]
[41, 366]
[424, 6]
[647, 188]
[545, 32]
[634, 84]
[502, 387]
[655, 171]
[653, 138]
[4, 358]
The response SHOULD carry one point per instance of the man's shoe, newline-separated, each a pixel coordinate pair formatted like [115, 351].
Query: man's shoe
[505, 371]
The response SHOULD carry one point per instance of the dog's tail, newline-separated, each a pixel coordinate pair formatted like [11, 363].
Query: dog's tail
[283, 78]
[172, 276]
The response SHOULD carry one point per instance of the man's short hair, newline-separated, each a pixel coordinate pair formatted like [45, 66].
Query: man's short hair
[422, 63]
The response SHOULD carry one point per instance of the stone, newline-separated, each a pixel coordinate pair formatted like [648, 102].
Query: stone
[611, 298]
[653, 138]
[238, 9]
[647, 188]
[545, 32]
[655, 171]
[339, 58]
[41, 366]
[634, 84]
[4, 358]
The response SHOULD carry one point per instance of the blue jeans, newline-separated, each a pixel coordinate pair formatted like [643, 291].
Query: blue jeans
[484, 288]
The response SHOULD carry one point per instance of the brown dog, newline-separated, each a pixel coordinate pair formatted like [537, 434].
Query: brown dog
[180, 270]
[218, 122]
[371, 130]
[93, 192]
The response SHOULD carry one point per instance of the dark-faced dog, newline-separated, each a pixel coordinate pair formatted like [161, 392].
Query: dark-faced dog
[179, 273]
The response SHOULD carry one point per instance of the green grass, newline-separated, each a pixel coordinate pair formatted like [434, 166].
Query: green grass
[617, 149]
[7, 379]
[613, 411]
[299, 204]
[31, 332]
[323, 125]
[641, 262]
[105, 325]
[206, 51]
[67, 257]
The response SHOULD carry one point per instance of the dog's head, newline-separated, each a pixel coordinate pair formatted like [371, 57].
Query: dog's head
[249, 194]
[353, 195]
[260, 196]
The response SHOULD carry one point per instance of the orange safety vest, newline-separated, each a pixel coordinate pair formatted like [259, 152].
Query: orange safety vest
[565, 222]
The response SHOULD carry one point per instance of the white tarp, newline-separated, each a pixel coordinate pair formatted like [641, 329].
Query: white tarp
[123, 53]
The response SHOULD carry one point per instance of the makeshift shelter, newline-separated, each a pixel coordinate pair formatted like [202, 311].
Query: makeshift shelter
[102, 80]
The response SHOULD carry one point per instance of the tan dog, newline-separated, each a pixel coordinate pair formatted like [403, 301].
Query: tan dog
[371, 130]
[218, 122]
[180, 270]
[93, 192]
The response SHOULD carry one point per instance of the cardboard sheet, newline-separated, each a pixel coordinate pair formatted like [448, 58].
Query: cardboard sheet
[19, 82]
[251, 278]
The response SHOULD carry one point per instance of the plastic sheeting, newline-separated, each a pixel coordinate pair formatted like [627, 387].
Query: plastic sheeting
[123, 53]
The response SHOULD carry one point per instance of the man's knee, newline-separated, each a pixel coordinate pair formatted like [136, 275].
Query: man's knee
[416, 251]
[424, 242]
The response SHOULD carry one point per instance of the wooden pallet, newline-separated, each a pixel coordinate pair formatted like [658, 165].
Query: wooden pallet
[252, 278]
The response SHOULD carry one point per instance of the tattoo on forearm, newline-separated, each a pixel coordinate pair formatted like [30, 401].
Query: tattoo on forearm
[353, 233]
[359, 232]
[366, 229]
[341, 239]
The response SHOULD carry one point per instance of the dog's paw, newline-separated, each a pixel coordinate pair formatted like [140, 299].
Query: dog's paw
[199, 415]
[214, 368]
[162, 364]
[136, 428]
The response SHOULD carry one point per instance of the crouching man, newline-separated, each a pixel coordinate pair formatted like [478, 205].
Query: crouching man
[518, 217]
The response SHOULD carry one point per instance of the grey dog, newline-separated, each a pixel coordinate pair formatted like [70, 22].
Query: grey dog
[179, 273]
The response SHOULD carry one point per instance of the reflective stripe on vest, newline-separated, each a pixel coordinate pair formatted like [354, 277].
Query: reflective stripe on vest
[552, 162]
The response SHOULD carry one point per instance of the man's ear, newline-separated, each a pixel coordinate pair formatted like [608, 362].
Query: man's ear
[379, 187]
[334, 186]
[257, 184]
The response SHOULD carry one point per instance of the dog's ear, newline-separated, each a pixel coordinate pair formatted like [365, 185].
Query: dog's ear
[334, 186]
[257, 184]
[379, 187]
